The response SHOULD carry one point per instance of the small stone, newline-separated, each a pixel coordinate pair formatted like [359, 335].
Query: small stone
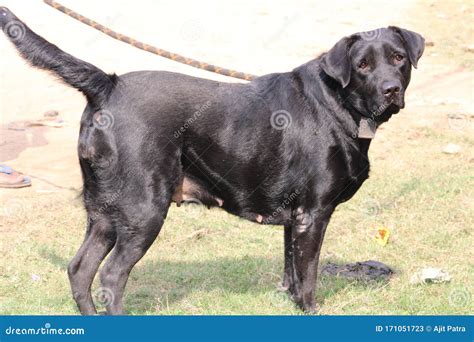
[51, 113]
[429, 42]
[430, 275]
[452, 149]
[468, 48]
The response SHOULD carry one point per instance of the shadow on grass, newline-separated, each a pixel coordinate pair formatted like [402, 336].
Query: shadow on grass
[55, 259]
[165, 283]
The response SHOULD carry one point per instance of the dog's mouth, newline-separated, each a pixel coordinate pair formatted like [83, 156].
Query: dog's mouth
[395, 107]
[384, 111]
[396, 102]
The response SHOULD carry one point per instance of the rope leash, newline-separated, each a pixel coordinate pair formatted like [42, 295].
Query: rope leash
[157, 51]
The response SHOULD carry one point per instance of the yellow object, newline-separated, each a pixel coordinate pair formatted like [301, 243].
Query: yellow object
[382, 236]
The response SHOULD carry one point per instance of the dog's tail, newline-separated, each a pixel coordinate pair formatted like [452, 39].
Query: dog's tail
[95, 84]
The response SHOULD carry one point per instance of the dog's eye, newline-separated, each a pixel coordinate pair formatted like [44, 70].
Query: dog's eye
[399, 57]
[363, 64]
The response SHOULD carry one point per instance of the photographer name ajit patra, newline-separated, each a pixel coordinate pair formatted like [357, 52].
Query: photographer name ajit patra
[449, 328]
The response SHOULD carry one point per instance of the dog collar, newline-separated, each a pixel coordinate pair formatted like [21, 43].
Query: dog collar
[367, 128]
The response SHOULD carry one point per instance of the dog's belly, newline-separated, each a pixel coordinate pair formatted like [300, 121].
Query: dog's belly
[190, 191]
[246, 188]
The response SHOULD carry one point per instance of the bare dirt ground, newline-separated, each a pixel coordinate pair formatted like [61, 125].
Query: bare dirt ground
[255, 37]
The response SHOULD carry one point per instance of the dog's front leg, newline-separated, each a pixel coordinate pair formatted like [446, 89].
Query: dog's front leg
[287, 283]
[307, 236]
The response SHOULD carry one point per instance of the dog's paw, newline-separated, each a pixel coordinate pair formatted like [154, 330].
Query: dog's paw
[313, 309]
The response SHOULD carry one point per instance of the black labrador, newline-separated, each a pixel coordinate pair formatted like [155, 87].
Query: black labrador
[284, 149]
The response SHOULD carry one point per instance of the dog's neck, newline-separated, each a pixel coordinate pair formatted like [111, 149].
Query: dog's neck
[360, 127]
[367, 126]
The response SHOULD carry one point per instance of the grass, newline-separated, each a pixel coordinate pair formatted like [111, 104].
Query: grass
[233, 266]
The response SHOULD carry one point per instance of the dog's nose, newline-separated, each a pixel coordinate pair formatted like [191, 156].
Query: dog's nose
[389, 88]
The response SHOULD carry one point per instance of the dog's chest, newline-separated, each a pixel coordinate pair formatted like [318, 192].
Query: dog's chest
[352, 170]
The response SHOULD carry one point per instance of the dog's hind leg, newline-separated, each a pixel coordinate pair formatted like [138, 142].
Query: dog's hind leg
[142, 209]
[134, 237]
[100, 189]
[99, 240]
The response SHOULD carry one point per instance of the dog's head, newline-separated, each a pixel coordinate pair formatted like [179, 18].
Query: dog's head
[373, 69]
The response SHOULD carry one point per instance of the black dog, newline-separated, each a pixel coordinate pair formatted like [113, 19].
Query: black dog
[285, 149]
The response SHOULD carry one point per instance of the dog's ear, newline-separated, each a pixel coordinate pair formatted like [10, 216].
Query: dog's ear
[414, 43]
[336, 63]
